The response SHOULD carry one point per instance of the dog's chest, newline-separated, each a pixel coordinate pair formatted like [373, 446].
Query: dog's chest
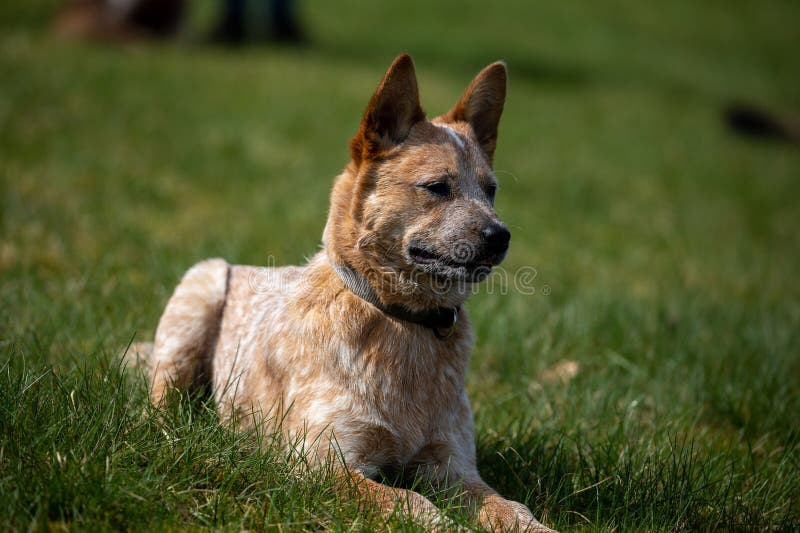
[394, 404]
[382, 390]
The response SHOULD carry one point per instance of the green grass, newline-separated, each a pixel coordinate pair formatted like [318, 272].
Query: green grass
[666, 251]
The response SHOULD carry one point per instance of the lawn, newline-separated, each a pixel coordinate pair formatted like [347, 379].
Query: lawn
[665, 248]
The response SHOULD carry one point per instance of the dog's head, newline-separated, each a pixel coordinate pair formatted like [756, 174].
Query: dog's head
[413, 212]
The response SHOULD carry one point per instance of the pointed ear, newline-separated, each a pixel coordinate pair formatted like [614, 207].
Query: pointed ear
[482, 104]
[391, 111]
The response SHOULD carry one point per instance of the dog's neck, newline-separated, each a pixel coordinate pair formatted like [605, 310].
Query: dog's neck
[441, 320]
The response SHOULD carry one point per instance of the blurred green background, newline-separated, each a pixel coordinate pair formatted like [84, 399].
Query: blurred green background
[665, 245]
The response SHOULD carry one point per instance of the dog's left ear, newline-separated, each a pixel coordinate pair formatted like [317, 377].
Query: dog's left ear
[481, 106]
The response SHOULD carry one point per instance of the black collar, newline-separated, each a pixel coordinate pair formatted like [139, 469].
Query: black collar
[442, 320]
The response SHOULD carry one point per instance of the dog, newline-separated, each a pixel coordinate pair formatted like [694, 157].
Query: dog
[363, 350]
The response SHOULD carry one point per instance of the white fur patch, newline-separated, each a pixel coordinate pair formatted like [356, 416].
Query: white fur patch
[456, 138]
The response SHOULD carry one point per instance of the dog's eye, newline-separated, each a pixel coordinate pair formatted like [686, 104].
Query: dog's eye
[439, 188]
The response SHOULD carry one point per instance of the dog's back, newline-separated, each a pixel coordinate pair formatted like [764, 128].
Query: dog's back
[249, 359]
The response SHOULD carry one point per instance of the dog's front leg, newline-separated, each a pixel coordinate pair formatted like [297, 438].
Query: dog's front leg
[496, 513]
[392, 499]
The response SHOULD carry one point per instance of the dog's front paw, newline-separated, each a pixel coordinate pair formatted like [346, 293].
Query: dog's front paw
[499, 514]
[525, 521]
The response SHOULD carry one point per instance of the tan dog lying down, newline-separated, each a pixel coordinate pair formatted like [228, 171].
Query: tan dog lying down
[365, 348]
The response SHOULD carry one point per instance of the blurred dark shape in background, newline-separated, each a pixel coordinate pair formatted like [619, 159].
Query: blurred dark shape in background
[753, 121]
[133, 20]
[282, 22]
[120, 20]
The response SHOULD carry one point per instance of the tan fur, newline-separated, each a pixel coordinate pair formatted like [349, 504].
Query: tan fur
[295, 344]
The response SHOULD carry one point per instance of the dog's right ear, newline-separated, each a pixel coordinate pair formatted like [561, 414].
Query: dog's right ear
[391, 112]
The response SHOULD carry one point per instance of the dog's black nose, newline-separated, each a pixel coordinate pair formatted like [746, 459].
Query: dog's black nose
[497, 237]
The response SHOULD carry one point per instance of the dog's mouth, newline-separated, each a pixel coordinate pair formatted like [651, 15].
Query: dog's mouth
[446, 267]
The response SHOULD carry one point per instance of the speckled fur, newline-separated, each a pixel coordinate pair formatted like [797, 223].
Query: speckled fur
[294, 344]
